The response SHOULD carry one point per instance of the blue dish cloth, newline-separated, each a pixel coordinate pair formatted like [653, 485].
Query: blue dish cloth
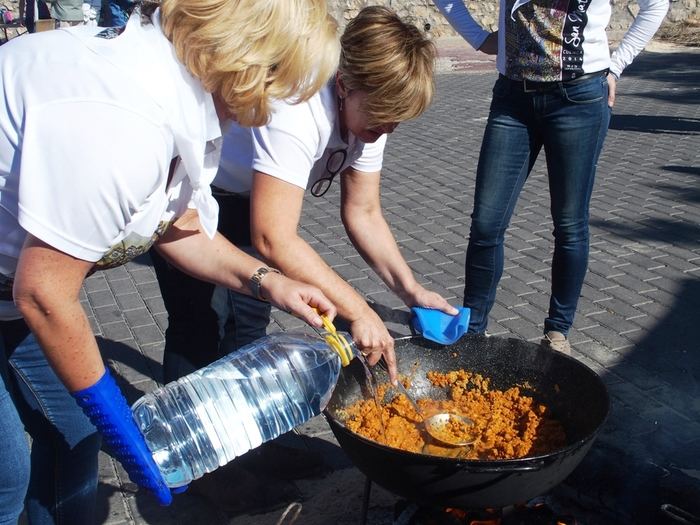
[438, 326]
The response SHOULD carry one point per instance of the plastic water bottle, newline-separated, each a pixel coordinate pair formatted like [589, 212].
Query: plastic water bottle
[206, 419]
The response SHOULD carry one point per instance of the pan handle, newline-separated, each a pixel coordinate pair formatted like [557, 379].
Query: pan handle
[533, 465]
[678, 514]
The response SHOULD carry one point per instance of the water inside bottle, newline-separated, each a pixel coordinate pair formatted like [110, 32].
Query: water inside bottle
[208, 418]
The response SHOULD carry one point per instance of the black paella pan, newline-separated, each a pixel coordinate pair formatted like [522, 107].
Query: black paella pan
[575, 394]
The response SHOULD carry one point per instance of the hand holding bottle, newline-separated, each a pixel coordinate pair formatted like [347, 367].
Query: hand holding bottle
[297, 298]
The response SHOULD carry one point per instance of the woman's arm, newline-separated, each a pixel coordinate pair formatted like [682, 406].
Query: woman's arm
[369, 232]
[46, 292]
[218, 261]
[646, 23]
[275, 212]
[457, 14]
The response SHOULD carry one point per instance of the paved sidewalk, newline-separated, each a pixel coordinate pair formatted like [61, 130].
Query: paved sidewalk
[638, 322]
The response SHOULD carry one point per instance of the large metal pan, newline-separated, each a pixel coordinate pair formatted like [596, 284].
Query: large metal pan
[576, 395]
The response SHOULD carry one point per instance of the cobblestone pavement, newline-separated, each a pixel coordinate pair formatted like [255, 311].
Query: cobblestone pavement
[638, 321]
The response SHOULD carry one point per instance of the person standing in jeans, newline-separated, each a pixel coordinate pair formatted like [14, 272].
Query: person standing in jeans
[555, 90]
[66, 13]
[115, 13]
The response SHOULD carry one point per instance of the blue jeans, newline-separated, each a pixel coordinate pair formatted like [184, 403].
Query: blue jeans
[205, 322]
[570, 121]
[115, 13]
[242, 319]
[57, 479]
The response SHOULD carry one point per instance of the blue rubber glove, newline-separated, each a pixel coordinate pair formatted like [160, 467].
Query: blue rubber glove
[438, 326]
[106, 407]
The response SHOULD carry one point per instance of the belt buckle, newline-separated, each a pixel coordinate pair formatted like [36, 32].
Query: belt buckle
[527, 89]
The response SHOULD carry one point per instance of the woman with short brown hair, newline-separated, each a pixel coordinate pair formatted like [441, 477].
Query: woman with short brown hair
[385, 77]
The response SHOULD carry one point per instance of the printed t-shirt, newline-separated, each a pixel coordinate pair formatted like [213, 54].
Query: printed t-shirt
[553, 40]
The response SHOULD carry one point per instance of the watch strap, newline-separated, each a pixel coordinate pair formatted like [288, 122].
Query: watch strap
[256, 281]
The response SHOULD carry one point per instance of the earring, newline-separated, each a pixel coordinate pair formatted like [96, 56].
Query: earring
[340, 103]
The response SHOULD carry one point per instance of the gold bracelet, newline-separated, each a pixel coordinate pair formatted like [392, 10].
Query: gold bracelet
[256, 281]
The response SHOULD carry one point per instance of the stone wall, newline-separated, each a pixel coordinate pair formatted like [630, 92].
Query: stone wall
[425, 15]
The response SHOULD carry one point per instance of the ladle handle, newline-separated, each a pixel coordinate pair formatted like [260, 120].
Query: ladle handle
[382, 364]
[400, 386]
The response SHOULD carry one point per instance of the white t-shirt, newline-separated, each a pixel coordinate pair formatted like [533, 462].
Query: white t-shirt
[88, 128]
[295, 146]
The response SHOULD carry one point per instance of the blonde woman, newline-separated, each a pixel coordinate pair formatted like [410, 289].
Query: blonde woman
[156, 91]
[385, 77]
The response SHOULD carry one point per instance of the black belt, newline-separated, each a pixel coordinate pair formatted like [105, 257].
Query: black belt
[533, 86]
[215, 190]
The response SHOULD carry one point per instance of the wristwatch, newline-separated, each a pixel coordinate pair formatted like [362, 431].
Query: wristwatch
[257, 278]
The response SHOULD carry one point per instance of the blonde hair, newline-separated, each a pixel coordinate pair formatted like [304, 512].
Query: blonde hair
[392, 61]
[249, 52]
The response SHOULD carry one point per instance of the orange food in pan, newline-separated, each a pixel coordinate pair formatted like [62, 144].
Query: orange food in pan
[507, 423]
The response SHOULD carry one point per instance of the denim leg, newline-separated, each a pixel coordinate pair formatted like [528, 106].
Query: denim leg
[575, 125]
[199, 318]
[242, 319]
[191, 339]
[65, 445]
[14, 452]
[508, 152]
[117, 12]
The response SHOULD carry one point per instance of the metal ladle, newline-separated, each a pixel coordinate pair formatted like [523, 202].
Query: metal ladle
[434, 425]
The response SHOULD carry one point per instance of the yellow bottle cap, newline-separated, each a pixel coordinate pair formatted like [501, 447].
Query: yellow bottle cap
[337, 342]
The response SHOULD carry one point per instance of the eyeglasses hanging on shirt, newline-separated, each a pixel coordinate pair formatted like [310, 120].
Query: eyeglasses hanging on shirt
[334, 164]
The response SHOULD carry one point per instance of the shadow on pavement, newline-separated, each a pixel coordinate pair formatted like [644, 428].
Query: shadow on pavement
[129, 365]
[647, 457]
[247, 490]
[656, 124]
[662, 229]
[678, 68]
[678, 72]
[691, 170]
